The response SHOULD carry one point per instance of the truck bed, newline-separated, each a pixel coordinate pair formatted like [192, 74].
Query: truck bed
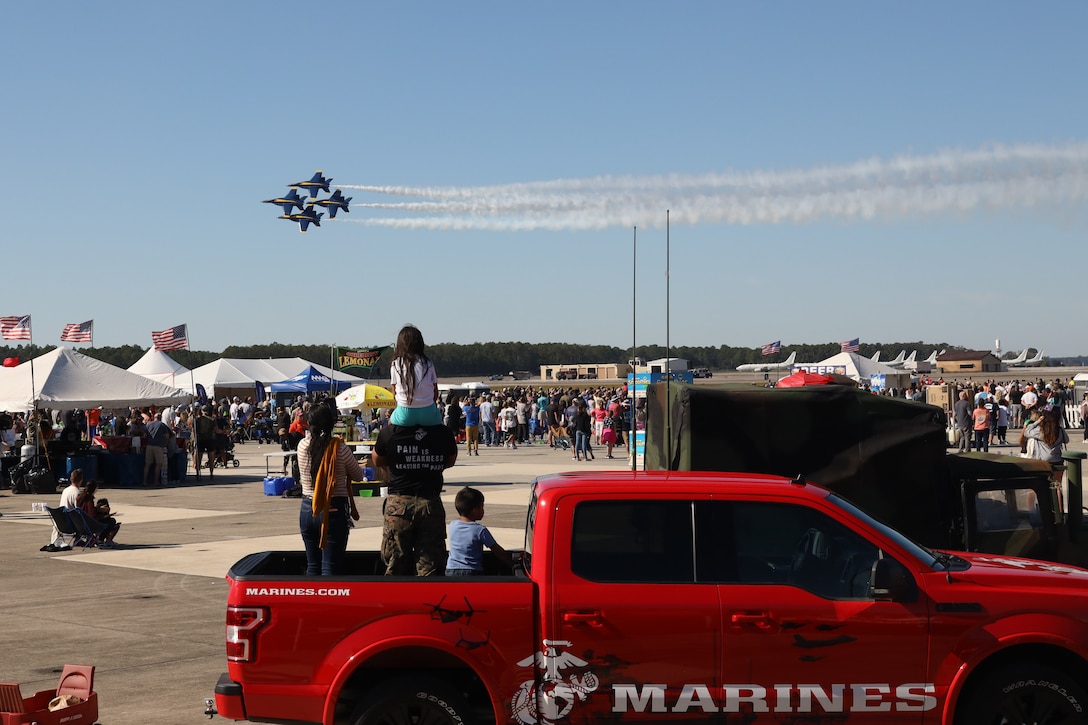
[279, 565]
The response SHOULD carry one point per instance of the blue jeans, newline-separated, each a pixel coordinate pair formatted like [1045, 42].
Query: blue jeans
[327, 561]
[488, 434]
[581, 443]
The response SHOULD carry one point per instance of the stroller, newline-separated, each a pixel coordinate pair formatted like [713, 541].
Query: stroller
[562, 439]
[228, 454]
[262, 430]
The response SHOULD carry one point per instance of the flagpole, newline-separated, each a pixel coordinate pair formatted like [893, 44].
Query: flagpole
[332, 371]
[668, 355]
[33, 386]
[634, 358]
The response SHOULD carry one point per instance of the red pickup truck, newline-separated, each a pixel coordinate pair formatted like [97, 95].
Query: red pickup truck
[694, 596]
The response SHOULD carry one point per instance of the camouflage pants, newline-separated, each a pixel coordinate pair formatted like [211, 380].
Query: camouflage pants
[413, 536]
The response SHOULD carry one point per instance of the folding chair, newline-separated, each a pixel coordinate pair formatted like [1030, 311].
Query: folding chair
[90, 531]
[66, 529]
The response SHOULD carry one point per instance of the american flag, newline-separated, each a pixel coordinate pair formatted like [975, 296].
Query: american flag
[78, 332]
[772, 348]
[15, 327]
[850, 345]
[175, 338]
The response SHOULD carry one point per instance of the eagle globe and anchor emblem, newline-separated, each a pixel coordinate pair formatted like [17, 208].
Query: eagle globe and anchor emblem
[558, 691]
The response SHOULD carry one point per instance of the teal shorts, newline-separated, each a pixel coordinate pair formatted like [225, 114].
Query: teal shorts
[409, 417]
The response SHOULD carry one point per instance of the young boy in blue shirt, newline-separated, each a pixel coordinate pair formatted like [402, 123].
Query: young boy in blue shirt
[468, 537]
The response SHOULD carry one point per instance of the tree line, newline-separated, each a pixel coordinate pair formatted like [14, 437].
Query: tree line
[485, 358]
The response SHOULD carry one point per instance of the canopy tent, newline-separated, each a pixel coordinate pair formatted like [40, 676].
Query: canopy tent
[849, 364]
[157, 365]
[801, 378]
[238, 376]
[310, 380]
[65, 379]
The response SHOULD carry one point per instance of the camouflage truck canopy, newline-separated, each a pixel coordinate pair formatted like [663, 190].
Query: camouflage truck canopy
[887, 455]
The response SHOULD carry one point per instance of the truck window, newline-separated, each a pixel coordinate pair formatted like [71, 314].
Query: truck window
[782, 543]
[633, 541]
[1007, 510]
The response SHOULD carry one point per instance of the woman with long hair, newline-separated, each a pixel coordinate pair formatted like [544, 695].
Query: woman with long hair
[1049, 436]
[99, 511]
[414, 381]
[326, 468]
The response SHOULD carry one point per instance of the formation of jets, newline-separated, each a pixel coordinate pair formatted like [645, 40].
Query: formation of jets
[307, 214]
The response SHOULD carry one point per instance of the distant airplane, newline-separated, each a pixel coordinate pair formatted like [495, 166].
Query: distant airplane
[1018, 360]
[1026, 363]
[317, 181]
[768, 367]
[305, 218]
[932, 359]
[901, 362]
[334, 203]
[895, 363]
[288, 202]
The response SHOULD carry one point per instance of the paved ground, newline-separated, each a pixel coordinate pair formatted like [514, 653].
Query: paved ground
[149, 614]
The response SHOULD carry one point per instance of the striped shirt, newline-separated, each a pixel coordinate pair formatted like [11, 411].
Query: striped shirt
[347, 469]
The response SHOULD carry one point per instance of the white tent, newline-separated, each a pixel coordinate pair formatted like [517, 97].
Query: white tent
[243, 373]
[66, 379]
[157, 365]
[850, 364]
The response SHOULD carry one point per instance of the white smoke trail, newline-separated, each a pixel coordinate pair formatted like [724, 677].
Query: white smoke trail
[1001, 177]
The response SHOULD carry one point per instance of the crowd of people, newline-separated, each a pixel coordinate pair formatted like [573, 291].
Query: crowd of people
[983, 414]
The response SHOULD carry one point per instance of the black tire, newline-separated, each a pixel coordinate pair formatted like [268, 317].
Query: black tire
[1024, 693]
[412, 701]
[236, 462]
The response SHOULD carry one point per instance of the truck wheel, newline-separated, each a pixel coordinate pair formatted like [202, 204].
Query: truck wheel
[1027, 693]
[412, 701]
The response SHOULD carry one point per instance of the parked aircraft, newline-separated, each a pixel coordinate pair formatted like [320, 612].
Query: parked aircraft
[897, 362]
[767, 367]
[1018, 360]
[288, 202]
[317, 181]
[901, 362]
[334, 203]
[1026, 363]
[305, 218]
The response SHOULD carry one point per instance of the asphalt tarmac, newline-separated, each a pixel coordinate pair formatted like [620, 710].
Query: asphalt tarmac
[149, 615]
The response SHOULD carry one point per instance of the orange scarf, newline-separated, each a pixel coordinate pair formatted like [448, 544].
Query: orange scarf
[324, 484]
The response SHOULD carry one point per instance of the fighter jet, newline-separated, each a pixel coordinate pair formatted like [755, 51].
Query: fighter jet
[334, 203]
[288, 202]
[316, 182]
[305, 218]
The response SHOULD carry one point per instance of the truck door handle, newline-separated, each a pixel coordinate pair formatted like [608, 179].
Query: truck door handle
[592, 617]
[760, 620]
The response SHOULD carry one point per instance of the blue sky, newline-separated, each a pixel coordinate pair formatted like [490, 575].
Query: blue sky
[139, 139]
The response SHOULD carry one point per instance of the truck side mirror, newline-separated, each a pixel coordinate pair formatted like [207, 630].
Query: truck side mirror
[891, 582]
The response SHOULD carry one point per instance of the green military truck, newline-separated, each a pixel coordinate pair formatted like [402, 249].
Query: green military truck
[889, 456]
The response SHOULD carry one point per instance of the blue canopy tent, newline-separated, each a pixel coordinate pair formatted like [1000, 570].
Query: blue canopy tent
[310, 380]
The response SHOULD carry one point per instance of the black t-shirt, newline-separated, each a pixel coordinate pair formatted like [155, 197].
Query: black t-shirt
[416, 457]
